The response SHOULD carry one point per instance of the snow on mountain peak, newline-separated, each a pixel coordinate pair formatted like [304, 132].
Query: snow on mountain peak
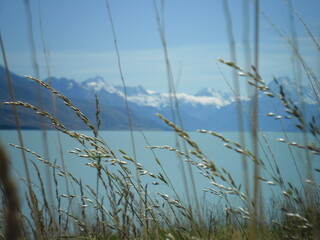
[140, 96]
[98, 84]
[161, 100]
[215, 95]
[206, 92]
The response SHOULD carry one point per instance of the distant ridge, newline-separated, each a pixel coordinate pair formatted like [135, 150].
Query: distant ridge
[207, 108]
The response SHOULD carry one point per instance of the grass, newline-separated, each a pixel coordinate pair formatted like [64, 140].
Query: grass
[120, 206]
[118, 214]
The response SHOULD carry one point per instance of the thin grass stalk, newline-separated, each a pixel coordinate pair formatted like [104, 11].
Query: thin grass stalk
[30, 205]
[96, 136]
[255, 99]
[17, 121]
[313, 80]
[113, 216]
[293, 158]
[161, 25]
[109, 188]
[237, 219]
[91, 192]
[297, 67]
[57, 197]
[175, 105]
[237, 96]
[112, 183]
[307, 188]
[110, 195]
[170, 83]
[304, 130]
[314, 40]
[309, 174]
[168, 182]
[37, 215]
[159, 163]
[42, 215]
[26, 221]
[35, 65]
[256, 221]
[277, 171]
[245, 36]
[128, 113]
[83, 207]
[125, 218]
[244, 159]
[53, 96]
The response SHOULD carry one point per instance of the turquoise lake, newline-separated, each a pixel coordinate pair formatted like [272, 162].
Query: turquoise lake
[213, 148]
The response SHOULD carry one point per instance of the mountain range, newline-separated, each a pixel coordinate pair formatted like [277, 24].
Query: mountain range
[206, 109]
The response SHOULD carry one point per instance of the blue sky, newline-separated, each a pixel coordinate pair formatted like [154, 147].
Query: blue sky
[79, 38]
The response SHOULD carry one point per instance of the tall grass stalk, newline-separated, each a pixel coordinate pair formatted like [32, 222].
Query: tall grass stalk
[237, 93]
[298, 75]
[175, 112]
[46, 53]
[53, 97]
[128, 112]
[35, 66]
[257, 198]
[314, 82]
[17, 121]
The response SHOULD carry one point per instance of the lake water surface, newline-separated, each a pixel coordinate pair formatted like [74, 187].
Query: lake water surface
[213, 147]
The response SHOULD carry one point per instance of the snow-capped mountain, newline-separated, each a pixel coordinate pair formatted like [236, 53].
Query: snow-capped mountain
[207, 108]
[140, 96]
[162, 100]
[99, 84]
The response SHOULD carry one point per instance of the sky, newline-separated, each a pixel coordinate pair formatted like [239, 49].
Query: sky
[80, 43]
